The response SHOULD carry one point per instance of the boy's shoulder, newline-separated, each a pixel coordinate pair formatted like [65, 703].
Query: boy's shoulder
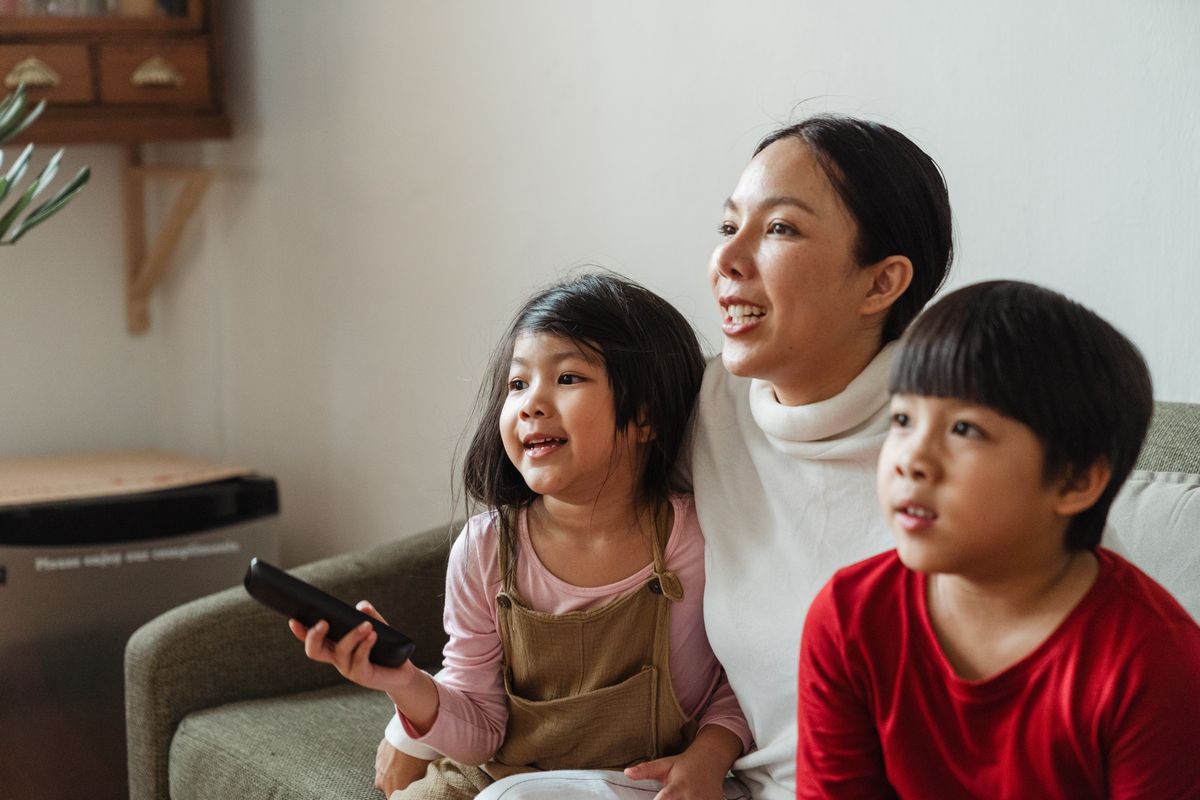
[871, 591]
[883, 571]
[1132, 597]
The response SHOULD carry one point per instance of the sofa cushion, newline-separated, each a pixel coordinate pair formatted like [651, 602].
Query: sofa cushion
[1155, 523]
[312, 746]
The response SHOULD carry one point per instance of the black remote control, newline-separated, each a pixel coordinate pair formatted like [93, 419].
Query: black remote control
[302, 601]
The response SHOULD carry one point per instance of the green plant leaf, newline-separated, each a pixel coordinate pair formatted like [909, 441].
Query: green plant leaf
[16, 171]
[53, 205]
[10, 109]
[5, 135]
[39, 183]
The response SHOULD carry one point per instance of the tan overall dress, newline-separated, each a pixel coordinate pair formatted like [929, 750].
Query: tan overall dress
[586, 690]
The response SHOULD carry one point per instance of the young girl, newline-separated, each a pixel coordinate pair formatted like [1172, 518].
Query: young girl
[573, 605]
[999, 651]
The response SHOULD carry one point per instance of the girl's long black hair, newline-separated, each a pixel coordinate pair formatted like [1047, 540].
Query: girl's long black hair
[654, 365]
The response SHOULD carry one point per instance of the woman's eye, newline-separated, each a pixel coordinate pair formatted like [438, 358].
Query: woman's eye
[899, 420]
[516, 385]
[727, 229]
[781, 229]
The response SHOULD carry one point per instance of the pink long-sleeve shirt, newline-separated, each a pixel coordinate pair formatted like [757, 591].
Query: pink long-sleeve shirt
[473, 711]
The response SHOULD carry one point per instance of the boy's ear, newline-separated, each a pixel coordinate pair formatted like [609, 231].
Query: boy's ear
[1081, 488]
[889, 279]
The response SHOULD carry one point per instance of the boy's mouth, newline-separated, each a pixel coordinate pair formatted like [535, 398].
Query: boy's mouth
[914, 516]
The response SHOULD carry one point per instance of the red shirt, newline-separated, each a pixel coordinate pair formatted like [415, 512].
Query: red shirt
[1107, 706]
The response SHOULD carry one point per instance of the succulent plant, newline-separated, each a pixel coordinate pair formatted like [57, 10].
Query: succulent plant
[14, 118]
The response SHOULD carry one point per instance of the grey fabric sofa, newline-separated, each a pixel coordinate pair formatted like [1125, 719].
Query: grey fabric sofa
[221, 703]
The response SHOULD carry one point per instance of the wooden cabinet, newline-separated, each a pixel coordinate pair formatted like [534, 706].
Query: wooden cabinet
[116, 70]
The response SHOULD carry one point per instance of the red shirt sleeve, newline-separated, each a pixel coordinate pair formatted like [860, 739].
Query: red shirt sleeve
[839, 754]
[1157, 719]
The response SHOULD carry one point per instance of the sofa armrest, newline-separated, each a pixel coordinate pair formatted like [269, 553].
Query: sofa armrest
[227, 647]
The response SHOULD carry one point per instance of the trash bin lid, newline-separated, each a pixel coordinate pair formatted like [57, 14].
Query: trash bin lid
[118, 497]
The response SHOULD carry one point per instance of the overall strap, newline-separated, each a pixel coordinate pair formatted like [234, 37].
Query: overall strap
[668, 583]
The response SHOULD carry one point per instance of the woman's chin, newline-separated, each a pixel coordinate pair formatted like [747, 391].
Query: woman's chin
[739, 360]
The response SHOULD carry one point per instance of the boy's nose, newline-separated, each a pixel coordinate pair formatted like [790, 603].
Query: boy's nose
[915, 465]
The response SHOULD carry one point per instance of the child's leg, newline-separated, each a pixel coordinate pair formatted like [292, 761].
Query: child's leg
[446, 780]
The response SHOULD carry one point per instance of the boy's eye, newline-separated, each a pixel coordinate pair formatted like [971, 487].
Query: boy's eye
[516, 385]
[568, 378]
[964, 428]
[899, 420]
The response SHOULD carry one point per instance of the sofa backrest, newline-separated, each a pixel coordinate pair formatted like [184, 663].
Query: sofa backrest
[1155, 519]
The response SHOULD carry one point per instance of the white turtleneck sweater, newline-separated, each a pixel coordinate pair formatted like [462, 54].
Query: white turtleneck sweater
[786, 496]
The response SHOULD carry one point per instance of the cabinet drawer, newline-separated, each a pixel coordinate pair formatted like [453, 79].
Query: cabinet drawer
[60, 73]
[161, 73]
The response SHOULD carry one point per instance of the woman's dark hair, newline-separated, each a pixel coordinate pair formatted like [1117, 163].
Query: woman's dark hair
[654, 365]
[896, 194]
[1046, 361]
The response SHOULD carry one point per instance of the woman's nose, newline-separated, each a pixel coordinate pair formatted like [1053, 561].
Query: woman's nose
[731, 258]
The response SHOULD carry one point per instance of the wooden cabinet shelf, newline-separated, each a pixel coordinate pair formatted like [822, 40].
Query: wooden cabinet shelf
[115, 78]
[112, 75]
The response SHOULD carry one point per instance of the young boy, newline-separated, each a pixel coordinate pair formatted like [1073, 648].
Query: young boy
[998, 651]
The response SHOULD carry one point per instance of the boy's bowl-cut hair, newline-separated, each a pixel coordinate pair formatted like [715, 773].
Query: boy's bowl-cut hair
[1046, 361]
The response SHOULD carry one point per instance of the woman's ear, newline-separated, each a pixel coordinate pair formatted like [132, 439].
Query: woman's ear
[889, 279]
[1081, 488]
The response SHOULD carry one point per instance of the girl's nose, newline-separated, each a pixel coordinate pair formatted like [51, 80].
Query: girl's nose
[534, 404]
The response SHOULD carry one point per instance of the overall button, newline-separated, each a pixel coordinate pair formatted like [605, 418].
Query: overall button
[503, 601]
[655, 586]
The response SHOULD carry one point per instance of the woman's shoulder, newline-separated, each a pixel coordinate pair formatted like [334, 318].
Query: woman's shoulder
[719, 383]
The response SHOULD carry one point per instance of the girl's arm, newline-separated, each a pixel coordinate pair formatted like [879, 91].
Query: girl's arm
[699, 771]
[464, 712]
[839, 753]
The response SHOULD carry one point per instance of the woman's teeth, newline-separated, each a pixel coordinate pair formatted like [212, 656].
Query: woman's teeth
[741, 314]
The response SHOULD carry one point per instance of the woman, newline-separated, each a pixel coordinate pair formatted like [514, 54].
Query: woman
[836, 235]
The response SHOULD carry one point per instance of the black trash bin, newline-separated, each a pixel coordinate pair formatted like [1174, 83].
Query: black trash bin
[77, 576]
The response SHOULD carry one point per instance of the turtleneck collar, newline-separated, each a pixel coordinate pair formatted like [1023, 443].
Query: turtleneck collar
[840, 426]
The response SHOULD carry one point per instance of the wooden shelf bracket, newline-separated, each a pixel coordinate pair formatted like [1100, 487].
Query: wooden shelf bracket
[146, 265]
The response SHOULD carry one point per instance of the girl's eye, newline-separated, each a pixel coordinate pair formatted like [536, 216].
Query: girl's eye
[899, 420]
[727, 229]
[964, 428]
[516, 385]
[568, 379]
[781, 229]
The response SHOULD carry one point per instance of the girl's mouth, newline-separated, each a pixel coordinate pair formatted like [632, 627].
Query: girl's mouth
[541, 445]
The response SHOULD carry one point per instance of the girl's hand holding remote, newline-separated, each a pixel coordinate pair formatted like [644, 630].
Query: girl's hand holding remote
[410, 689]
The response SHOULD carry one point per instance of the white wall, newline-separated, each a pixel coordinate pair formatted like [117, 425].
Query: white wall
[403, 173]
